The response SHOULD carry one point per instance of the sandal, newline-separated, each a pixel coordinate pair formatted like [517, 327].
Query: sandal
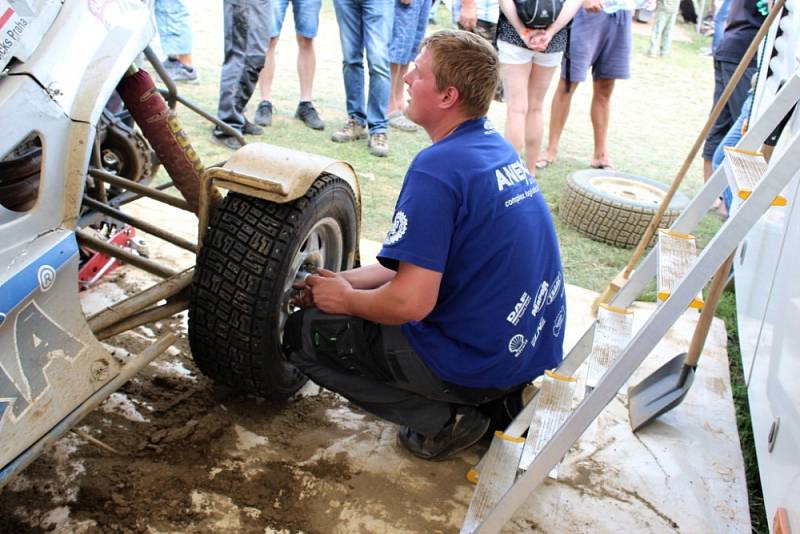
[543, 163]
[399, 121]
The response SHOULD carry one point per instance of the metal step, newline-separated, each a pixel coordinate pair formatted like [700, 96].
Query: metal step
[498, 471]
[613, 331]
[676, 256]
[553, 406]
[744, 170]
[783, 167]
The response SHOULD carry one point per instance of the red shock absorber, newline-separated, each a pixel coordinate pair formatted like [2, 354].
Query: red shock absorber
[160, 126]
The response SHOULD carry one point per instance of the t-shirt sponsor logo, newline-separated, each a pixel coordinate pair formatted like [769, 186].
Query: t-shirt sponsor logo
[519, 309]
[398, 229]
[555, 288]
[513, 173]
[539, 328]
[559, 323]
[517, 344]
[538, 302]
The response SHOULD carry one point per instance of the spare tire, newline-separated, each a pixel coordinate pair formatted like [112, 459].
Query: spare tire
[253, 251]
[615, 207]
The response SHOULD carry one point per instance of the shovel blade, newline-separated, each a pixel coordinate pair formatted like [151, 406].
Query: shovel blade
[660, 392]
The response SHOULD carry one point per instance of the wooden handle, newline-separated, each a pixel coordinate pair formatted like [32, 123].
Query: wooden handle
[723, 100]
[707, 315]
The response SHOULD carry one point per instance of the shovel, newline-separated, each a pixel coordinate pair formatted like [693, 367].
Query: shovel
[664, 389]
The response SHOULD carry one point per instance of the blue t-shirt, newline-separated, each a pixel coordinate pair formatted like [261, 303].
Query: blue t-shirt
[469, 209]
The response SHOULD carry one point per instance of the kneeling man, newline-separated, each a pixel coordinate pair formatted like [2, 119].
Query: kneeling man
[467, 304]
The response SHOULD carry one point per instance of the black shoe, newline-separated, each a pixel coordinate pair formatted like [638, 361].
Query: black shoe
[465, 429]
[306, 113]
[263, 113]
[228, 141]
[251, 129]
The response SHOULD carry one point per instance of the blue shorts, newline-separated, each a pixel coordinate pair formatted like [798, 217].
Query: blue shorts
[306, 16]
[410, 22]
[602, 42]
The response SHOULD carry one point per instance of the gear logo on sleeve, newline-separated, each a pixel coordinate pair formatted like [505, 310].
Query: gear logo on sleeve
[398, 229]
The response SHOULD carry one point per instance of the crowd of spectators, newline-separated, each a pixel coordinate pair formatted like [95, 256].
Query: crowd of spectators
[587, 35]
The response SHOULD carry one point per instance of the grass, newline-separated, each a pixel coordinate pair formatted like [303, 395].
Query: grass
[655, 118]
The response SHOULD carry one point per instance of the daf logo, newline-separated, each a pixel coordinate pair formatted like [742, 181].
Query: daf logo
[47, 277]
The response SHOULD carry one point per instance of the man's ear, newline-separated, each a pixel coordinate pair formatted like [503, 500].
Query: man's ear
[450, 98]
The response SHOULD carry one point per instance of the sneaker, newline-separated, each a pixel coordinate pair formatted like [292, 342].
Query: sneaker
[263, 115]
[306, 113]
[185, 73]
[465, 429]
[399, 121]
[251, 129]
[378, 145]
[351, 131]
[171, 65]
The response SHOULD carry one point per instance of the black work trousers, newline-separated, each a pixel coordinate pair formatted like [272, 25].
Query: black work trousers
[374, 367]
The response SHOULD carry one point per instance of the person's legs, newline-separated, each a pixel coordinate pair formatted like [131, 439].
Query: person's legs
[723, 71]
[234, 15]
[375, 368]
[377, 27]
[600, 113]
[538, 82]
[350, 18]
[306, 66]
[396, 98]
[559, 112]
[613, 62]
[666, 38]
[258, 27]
[306, 23]
[174, 29]
[656, 33]
[515, 81]
[720, 18]
[267, 74]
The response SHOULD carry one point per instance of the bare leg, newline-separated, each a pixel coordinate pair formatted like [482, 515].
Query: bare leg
[186, 59]
[559, 111]
[306, 66]
[600, 112]
[396, 101]
[515, 84]
[538, 82]
[268, 72]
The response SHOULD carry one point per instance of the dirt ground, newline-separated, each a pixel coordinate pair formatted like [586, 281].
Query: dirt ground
[189, 453]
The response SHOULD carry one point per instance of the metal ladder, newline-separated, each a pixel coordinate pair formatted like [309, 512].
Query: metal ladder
[502, 486]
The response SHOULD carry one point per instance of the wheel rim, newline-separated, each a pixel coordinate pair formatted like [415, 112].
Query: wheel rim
[628, 189]
[322, 246]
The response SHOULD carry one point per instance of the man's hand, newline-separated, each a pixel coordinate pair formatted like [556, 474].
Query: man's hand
[302, 297]
[329, 291]
[593, 6]
[468, 18]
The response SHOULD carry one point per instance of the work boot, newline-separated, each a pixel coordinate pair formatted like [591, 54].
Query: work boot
[351, 131]
[378, 145]
[228, 141]
[251, 129]
[306, 113]
[263, 113]
[466, 428]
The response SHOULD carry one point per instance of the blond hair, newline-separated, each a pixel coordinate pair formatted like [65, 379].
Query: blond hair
[467, 62]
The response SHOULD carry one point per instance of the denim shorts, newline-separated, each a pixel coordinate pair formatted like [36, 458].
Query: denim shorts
[602, 42]
[410, 23]
[306, 16]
